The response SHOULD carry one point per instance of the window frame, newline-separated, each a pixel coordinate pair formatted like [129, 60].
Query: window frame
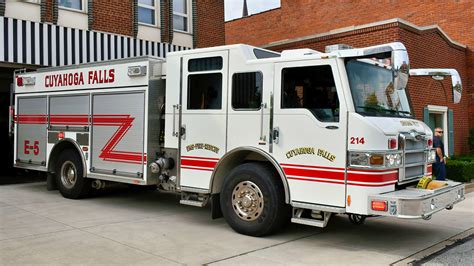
[232, 92]
[282, 89]
[155, 10]
[183, 15]
[83, 4]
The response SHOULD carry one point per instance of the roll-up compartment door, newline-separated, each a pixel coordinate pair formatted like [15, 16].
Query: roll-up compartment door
[31, 130]
[69, 112]
[118, 134]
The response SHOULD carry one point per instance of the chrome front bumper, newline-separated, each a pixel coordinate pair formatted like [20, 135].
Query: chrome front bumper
[413, 203]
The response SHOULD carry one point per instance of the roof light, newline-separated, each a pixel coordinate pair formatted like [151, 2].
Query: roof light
[135, 71]
[19, 81]
[392, 144]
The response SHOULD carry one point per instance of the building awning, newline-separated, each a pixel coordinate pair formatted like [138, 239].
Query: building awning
[43, 44]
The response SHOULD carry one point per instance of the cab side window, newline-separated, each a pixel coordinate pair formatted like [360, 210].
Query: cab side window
[311, 88]
[247, 90]
[205, 91]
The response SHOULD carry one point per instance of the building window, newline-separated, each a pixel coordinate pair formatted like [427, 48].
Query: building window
[311, 88]
[180, 15]
[72, 4]
[147, 11]
[205, 91]
[247, 90]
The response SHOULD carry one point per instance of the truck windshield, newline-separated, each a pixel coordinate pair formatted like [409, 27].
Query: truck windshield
[371, 83]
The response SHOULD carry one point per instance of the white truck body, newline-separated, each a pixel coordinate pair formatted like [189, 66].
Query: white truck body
[186, 123]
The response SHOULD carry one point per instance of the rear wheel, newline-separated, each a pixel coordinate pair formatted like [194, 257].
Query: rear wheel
[70, 176]
[252, 200]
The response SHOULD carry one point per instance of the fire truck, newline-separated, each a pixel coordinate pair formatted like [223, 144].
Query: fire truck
[263, 137]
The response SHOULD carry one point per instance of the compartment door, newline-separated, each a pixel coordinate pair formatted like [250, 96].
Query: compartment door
[32, 122]
[118, 134]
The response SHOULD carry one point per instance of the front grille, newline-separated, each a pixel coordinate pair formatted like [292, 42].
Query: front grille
[414, 161]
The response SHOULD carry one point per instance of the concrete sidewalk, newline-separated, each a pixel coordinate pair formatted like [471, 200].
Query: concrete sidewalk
[148, 227]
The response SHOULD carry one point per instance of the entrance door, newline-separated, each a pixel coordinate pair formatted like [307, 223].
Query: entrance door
[203, 120]
[310, 119]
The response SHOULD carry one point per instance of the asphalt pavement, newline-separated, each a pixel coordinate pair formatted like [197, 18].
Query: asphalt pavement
[123, 226]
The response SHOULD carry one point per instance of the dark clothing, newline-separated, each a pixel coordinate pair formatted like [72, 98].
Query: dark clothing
[439, 168]
[437, 143]
[439, 171]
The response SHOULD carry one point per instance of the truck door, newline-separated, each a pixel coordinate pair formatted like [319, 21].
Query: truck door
[32, 119]
[309, 130]
[203, 120]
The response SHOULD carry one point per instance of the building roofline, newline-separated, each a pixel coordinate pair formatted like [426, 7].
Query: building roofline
[365, 26]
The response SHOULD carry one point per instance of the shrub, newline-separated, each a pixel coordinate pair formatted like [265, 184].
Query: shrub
[461, 170]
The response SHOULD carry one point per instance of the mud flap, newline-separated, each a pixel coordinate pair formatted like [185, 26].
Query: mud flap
[216, 211]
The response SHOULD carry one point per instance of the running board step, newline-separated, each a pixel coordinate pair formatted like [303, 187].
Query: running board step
[311, 222]
[317, 219]
[194, 203]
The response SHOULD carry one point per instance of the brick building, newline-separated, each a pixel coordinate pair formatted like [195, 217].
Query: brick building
[437, 34]
[39, 33]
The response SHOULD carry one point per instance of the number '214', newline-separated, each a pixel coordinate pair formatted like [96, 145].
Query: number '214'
[357, 140]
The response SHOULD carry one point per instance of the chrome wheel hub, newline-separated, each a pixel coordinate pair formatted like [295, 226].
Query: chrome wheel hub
[247, 200]
[68, 174]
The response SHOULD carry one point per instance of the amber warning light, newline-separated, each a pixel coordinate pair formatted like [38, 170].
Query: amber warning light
[379, 205]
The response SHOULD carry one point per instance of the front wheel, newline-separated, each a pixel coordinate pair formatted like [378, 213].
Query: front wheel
[69, 176]
[252, 200]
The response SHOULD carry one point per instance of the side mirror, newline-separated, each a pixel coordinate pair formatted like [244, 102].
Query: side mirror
[401, 68]
[439, 74]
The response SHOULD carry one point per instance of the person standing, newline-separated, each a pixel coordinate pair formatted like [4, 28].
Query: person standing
[439, 167]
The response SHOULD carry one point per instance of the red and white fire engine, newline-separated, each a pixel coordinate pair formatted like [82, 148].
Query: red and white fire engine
[264, 137]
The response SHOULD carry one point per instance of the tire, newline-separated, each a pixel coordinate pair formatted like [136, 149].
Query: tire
[69, 176]
[252, 200]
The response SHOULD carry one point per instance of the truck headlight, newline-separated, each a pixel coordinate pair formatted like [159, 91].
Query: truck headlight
[375, 160]
[359, 159]
[431, 158]
[393, 160]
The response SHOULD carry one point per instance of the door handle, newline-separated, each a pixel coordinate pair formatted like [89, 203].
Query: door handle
[276, 135]
[332, 127]
[182, 132]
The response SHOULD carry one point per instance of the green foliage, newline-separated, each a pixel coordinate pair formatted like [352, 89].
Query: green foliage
[460, 169]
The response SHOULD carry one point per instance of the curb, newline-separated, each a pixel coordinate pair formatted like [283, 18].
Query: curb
[414, 258]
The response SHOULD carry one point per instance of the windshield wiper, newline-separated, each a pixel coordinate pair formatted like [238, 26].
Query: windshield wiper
[373, 108]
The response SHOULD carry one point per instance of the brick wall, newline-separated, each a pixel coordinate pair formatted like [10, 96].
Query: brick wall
[422, 90]
[210, 23]
[49, 11]
[115, 16]
[298, 18]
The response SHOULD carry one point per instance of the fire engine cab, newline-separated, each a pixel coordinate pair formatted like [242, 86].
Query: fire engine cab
[264, 137]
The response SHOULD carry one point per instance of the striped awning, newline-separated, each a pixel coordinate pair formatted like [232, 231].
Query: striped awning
[34, 43]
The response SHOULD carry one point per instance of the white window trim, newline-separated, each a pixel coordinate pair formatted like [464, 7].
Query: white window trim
[155, 8]
[37, 2]
[442, 110]
[83, 10]
[188, 6]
